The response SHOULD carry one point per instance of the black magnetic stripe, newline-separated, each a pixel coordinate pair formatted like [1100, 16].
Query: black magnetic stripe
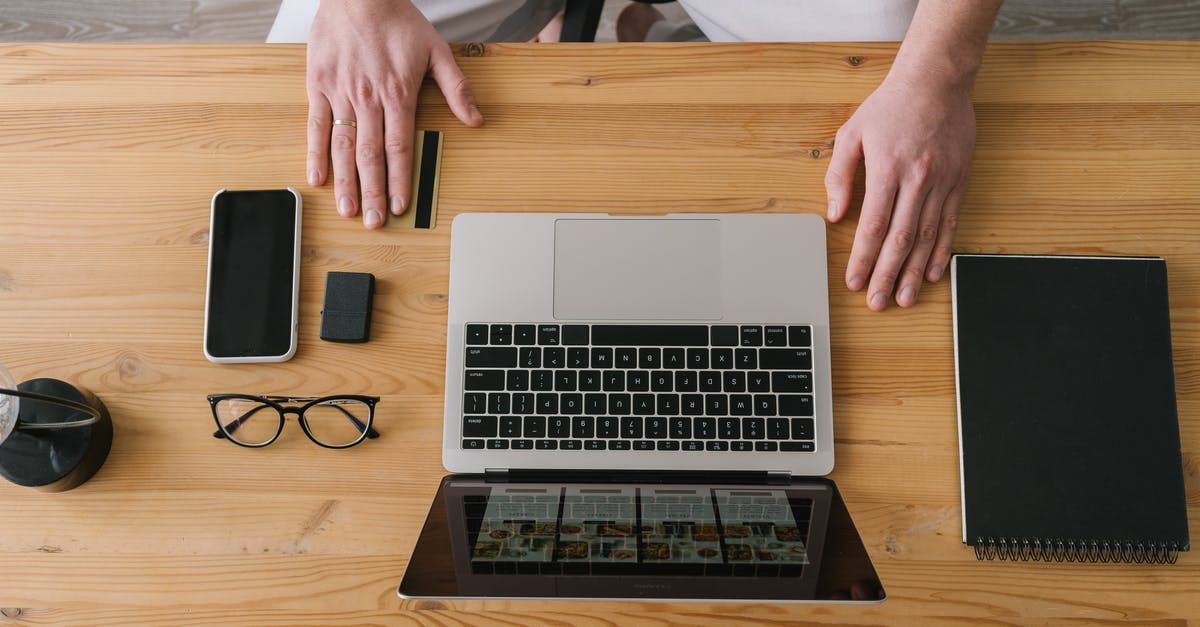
[429, 152]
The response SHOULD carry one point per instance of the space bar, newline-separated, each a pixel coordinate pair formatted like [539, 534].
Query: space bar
[649, 335]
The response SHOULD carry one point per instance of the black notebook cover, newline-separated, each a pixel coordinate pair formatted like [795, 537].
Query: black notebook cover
[1068, 428]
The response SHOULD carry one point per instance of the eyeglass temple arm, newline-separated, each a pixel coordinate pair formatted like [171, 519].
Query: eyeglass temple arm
[94, 414]
[220, 433]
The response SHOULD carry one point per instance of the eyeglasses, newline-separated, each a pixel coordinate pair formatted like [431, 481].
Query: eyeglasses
[330, 421]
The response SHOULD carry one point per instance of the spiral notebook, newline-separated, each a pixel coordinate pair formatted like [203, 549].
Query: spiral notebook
[1067, 421]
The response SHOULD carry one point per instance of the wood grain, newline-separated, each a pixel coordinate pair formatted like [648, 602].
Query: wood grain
[109, 155]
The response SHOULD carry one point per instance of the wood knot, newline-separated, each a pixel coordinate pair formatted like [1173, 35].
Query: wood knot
[11, 612]
[815, 153]
[855, 61]
[476, 49]
[587, 81]
[129, 367]
[199, 238]
[7, 282]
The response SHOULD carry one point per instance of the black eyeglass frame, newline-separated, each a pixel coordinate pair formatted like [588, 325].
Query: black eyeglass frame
[308, 401]
[94, 414]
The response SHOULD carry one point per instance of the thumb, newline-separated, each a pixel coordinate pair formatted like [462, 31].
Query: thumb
[454, 86]
[839, 178]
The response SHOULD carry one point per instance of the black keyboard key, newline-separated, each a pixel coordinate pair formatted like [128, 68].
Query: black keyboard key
[570, 445]
[577, 358]
[680, 428]
[716, 405]
[541, 381]
[637, 381]
[595, 404]
[575, 335]
[473, 445]
[685, 381]
[548, 334]
[693, 445]
[607, 427]
[752, 336]
[535, 427]
[602, 358]
[741, 446]
[802, 428]
[631, 427]
[643, 404]
[501, 334]
[554, 357]
[491, 357]
[775, 336]
[625, 358]
[656, 428]
[522, 445]
[649, 358]
[546, 445]
[474, 403]
[697, 358]
[558, 427]
[589, 381]
[571, 404]
[564, 381]
[691, 405]
[764, 405]
[800, 336]
[717, 445]
[517, 380]
[594, 445]
[477, 334]
[674, 358]
[725, 336]
[479, 426]
[758, 381]
[729, 428]
[735, 381]
[583, 427]
[619, 445]
[800, 447]
[482, 380]
[766, 446]
[722, 358]
[745, 358]
[498, 403]
[710, 381]
[785, 359]
[660, 381]
[741, 405]
[704, 428]
[497, 444]
[510, 426]
[753, 428]
[547, 404]
[668, 404]
[530, 357]
[619, 404]
[777, 428]
[523, 403]
[791, 381]
[649, 335]
[795, 405]
[643, 445]
[524, 335]
[668, 445]
[614, 381]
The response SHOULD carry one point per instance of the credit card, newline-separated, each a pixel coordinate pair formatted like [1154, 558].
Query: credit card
[427, 168]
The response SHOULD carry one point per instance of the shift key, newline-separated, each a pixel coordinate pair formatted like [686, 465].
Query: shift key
[785, 359]
[491, 356]
[477, 380]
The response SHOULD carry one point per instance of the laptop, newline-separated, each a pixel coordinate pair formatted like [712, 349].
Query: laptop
[639, 407]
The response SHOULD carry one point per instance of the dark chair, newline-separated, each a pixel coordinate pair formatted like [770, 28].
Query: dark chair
[581, 17]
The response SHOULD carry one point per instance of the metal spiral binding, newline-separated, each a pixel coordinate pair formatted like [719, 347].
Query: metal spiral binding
[1074, 550]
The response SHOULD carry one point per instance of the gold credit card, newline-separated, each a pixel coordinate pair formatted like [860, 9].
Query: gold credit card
[427, 170]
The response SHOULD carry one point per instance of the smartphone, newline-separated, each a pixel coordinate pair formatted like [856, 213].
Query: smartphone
[250, 304]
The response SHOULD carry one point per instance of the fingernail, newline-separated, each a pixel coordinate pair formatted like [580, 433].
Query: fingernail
[832, 208]
[344, 207]
[855, 283]
[935, 273]
[474, 109]
[373, 219]
[312, 178]
[878, 301]
[397, 205]
[907, 296]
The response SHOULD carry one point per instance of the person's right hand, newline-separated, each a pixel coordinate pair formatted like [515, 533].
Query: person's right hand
[366, 62]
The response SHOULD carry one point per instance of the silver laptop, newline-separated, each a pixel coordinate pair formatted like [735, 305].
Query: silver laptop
[676, 342]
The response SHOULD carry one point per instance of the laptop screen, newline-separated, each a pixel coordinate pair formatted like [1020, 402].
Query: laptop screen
[791, 542]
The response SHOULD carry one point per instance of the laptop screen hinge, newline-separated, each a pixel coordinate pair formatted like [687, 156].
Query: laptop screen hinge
[496, 474]
[778, 477]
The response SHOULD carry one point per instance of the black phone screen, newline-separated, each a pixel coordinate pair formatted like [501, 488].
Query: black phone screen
[252, 259]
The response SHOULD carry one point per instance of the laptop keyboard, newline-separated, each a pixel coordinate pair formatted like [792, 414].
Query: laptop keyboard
[598, 387]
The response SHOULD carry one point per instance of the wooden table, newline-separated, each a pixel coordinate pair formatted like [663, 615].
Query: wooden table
[109, 155]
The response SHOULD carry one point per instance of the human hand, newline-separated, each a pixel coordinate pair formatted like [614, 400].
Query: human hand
[366, 62]
[915, 137]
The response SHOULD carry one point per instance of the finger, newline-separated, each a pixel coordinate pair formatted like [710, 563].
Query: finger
[368, 153]
[454, 86]
[839, 177]
[320, 118]
[913, 274]
[873, 224]
[345, 171]
[940, 257]
[897, 245]
[398, 144]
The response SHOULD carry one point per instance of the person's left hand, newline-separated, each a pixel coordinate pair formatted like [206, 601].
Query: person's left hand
[915, 137]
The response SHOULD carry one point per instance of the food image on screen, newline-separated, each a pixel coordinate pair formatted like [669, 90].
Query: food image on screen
[737, 531]
[539, 529]
[624, 555]
[708, 552]
[658, 551]
[487, 550]
[500, 534]
[571, 529]
[705, 533]
[788, 534]
[614, 530]
[739, 552]
[572, 550]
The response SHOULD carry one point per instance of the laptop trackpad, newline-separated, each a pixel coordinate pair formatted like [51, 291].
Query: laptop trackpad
[637, 269]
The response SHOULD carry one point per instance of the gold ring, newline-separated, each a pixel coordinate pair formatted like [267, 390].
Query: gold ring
[350, 123]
